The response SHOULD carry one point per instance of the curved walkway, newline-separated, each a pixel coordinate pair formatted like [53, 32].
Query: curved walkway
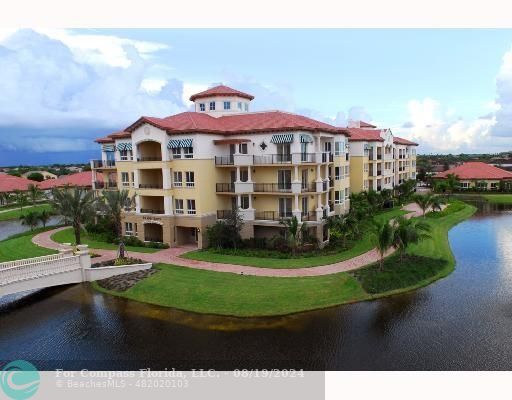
[172, 256]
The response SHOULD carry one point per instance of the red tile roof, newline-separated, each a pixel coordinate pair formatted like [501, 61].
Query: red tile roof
[81, 179]
[363, 124]
[113, 136]
[476, 170]
[365, 135]
[269, 121]
[220, 90]
[400, 140]
[9, 183]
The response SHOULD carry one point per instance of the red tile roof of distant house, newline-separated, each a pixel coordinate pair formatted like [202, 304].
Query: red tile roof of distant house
[363, 124]
[365, 135]
[476, 170]
[10, 183]
[113, 136]
[400, 140]
[270, 121]
[220, 90]
[81, 179]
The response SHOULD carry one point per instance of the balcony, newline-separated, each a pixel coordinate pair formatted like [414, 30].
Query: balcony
[308, 216]
[225, 160]
[224, 214]
[151, 186]
[225, 187]
[327, 157]
[272, 215]
[310, 187]
[105, 185]
[103, 163]
[307, 157]
[273, 187]
[151, 211]
[273, 159]
[149, 158]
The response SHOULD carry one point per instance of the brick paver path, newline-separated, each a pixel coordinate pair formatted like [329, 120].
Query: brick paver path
[172, 256]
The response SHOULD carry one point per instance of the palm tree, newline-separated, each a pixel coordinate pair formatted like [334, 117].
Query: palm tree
[76, 205]
[294, 231]
[452, 183]
[408, 231]
[112, 204]
[437, 203]
[34, 193]
[30, 219]
[384, 234]
[424, 202]
[4, 198]
[20, 199]
[44, 216]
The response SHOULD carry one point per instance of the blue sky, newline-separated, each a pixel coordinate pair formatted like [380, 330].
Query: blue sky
[451, 90]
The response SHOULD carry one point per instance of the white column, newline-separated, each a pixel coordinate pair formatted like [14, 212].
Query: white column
[249, 174]
[166, 175]
[136, 178]
[239, 201]
[168, 205]
[137, 203]
[165, 152]
[296, 173]
[238, 174]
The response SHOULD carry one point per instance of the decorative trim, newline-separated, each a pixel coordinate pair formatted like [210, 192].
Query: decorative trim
[284, 138]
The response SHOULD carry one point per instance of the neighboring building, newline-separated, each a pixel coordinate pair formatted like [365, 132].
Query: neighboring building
[378, 159]
[81, 179]
[478, 175]
[46, 174]
[191, 169]
[10, 183]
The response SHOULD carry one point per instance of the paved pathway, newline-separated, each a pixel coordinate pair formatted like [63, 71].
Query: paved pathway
[172, 256]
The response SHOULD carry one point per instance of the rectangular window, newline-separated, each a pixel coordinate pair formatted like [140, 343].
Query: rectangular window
[246, 107]
[244, 202]
[188, 152]
[347, 193]
[125, 179]
[347, 170]
[128, 228]
[125, 155]
[285, 207]
[305, 205]
[176, 152]
[337, 197]
[191, 207]
[365, 167]
[244, 175]
[338, 148]
[189, 177]
[212, 106]
[242, 148]
[239, 105]
[178, 179]
[178, 206]
[227, 105]
[133, 178]
[284, 179]
[304, 178]
[337, 175]
[202, 107]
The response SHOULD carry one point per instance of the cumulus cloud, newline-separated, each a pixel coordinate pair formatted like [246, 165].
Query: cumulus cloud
[78, 81]
[503, 103]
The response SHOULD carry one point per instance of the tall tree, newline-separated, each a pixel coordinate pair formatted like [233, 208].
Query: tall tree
[76, 205]
[34, 193]
[408, 231]
[44, 216]
[384, 234]
[30, 219]
[294, 232]
[452, 183]
[424, 202]
[20, 199]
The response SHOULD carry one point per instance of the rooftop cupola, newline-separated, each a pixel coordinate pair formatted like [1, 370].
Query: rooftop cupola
[221, 100]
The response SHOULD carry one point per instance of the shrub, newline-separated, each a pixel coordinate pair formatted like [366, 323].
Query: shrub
[157, 245]
[133, 241]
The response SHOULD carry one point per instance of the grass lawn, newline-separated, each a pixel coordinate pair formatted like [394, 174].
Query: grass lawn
[67, 236]
[257, 258]
[16, 213]
[20, 246]
[424, 263]
[498, 198]
[229, 294]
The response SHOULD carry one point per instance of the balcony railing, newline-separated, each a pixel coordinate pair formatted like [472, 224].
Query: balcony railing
[307, 157]
[103, 163]
[224, 214]
[327, 157]
[273, 187]
[224, 160]
[272, 215]
[151, 211]
[310, 187]
[308, 216]
[273, 159]
[105, 185]
[149, 159]
[225, 187]
[151, 186]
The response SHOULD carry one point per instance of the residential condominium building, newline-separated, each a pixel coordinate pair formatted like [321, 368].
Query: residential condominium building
[378, 159]
[190, 169]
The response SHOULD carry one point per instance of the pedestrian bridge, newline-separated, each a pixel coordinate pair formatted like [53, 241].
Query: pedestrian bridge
[63, 268]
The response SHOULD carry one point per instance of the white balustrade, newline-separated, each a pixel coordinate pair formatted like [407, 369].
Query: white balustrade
[28, 261]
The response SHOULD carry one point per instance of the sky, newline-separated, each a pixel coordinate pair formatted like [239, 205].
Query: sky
[449, 90]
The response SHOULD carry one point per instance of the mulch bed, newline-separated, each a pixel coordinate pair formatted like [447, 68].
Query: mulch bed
[121, 283]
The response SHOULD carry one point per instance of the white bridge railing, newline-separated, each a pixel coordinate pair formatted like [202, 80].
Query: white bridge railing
[28, 261]
[39, 269]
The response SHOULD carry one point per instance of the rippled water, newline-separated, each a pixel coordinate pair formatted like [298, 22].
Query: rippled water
[12, 227]
[461, 322]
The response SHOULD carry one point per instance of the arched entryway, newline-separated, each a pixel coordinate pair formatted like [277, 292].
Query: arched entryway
[149, 151]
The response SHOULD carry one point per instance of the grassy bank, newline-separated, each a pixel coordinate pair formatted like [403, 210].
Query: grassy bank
[20, 246]
[498, 198]
[67, 236]
[268, 259]
[229, 294]
[16, 213]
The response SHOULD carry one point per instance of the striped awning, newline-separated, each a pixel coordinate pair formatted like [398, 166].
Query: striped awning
[286, 138]
[186, 142]
[305, 138]
[124, 146]
[108, 148]
[174, 144]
